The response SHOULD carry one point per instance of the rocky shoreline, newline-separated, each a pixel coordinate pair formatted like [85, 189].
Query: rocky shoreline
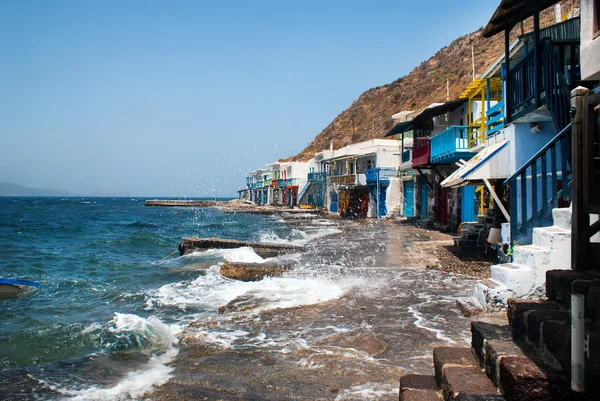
[354, 347]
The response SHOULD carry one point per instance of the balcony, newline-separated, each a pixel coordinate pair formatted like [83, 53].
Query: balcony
[421, 152]
[348, 179]
[290, 182]
[450, 145]
[382, 175]
[495, 119]
[317, 177]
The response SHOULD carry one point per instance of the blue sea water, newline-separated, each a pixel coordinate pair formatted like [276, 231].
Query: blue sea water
[112, 281]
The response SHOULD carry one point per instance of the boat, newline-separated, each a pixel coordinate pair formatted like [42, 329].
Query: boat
[14, 288]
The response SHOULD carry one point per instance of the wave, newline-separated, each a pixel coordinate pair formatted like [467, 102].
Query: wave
[126, 331]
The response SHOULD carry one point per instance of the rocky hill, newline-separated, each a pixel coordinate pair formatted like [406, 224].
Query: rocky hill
[369, 116]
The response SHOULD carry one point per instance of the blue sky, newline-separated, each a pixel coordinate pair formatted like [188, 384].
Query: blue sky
[182, 98]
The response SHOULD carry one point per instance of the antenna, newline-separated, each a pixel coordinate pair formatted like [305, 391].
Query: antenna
[473, 59]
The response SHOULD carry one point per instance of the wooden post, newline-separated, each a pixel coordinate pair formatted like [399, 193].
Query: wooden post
[580, 139]
[507, 88]
[537, 57]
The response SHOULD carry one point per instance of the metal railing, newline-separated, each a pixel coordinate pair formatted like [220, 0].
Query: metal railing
[536, 185]
[445, 144]
[317, 177]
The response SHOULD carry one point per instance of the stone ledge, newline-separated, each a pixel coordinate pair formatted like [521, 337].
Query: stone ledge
[454, 356]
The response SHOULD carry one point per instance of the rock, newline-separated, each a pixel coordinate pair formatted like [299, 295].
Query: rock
[469, 307]
[250, 271]
[419, 395]
[495, 350]
[365, 342]
[480, 397]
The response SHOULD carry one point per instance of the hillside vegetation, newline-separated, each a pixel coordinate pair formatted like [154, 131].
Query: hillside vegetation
[369, 116]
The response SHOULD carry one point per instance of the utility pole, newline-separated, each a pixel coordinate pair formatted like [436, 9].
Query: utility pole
[473, 59]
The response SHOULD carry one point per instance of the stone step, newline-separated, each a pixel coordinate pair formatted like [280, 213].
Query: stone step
[517, 308]
[419, 388]
[520, 279]
[558, 284]
[531, 255]
[553, 238]
[457, 372]
[522, 379]
[482, 332]
[492, 294]
[562, 217]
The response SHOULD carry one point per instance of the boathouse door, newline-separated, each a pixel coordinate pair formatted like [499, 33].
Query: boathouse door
[334, 203]
[443, 205]
[409, 198]
[468, 204]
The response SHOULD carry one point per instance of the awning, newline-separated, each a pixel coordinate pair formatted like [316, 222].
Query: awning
[400, 128]
[510, 12]
[491, 163]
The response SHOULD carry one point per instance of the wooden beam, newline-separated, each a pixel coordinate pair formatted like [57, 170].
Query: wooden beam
[424, 177]
[497, 199]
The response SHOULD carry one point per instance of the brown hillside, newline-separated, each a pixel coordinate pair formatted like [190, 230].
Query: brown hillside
[369, 116]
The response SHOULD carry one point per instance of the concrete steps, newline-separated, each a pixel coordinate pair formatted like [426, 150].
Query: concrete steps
[525, 276]
[527, 359]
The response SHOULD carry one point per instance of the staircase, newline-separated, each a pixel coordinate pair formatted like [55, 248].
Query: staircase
[528, 359]
[526, 275]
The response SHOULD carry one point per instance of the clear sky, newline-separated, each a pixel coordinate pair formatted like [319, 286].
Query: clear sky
[182, 98]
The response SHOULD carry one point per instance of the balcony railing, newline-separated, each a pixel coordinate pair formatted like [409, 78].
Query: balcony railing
[291, 182]
[495, 119]
[521, 79]
[450, 145]
[317, 177]
[349, 179]
[384, 174]
[421, 152]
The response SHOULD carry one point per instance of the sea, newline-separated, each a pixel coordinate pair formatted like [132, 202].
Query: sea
[118, 307]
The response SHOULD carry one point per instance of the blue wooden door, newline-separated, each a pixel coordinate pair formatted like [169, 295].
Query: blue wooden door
[423, 200]
[334, 203]
[409, 198]
[468, 204]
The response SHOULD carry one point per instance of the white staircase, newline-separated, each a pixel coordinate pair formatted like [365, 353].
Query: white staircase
[525, 277]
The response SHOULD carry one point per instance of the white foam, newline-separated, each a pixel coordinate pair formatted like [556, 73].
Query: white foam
[243, 254]
[421, 321]
[135, 384]
[369, 391]
[211, 291]
[297, 236]
[158, 337]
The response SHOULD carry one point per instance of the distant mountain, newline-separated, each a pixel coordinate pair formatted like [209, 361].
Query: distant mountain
[111, 193]
[8, 189]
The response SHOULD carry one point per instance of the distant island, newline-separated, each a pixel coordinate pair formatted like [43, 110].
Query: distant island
[9, 189]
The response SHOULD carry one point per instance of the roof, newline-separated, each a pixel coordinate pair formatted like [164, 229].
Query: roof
[478, 85]
[434, 110]
[510, 12]
[400, 128]
[490, 163]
